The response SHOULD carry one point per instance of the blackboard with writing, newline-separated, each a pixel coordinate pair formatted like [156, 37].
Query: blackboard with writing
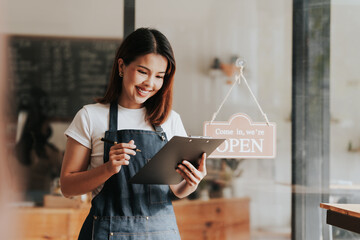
[59, 74]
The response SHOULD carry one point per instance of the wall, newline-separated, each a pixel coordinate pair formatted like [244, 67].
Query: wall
[345, 88]
[66, 18]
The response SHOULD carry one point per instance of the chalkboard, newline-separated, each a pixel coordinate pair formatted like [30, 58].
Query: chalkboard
[59, 74]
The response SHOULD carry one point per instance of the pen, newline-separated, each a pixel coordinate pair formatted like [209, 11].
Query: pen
[112, 142]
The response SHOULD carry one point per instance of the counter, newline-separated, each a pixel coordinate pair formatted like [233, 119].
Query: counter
[212, 219]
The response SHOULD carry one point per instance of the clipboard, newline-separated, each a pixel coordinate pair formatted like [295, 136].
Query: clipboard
[161, 168]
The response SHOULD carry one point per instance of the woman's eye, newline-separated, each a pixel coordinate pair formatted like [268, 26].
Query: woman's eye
[142, 72]
[160, 77]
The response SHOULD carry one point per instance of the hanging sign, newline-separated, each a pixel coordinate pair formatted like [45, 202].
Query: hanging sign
[244, 138]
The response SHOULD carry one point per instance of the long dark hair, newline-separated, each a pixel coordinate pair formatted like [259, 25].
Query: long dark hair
[139, 43]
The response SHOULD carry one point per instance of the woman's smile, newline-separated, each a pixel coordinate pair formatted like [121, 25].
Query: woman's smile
[143, 91]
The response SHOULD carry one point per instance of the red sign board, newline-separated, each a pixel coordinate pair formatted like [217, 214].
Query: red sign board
[244, 138]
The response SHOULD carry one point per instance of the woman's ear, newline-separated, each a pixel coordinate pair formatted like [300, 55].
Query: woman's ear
[121, 66]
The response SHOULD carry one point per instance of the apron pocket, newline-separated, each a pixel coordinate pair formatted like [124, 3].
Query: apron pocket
[101, 228]
[143, 228]
[164, 235]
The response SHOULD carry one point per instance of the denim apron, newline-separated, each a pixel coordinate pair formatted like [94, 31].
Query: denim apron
[131, 211]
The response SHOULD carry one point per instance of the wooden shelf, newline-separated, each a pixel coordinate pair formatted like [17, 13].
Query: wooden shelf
[50, 223]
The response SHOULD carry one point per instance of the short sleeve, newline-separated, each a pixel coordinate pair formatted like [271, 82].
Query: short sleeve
[79, 128]
[179, 127]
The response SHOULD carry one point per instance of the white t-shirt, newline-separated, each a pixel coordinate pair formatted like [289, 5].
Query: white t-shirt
[91, 122]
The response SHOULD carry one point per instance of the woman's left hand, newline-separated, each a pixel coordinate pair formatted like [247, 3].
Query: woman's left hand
[192, 175]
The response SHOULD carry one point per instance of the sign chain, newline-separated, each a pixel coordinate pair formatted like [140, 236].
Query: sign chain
[238, 80]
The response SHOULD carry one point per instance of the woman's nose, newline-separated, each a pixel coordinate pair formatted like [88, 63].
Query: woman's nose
[149, 81]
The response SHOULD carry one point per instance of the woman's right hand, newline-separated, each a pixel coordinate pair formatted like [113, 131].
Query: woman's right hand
[119, 156]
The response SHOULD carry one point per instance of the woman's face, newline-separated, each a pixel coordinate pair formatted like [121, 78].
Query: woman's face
[142, 78]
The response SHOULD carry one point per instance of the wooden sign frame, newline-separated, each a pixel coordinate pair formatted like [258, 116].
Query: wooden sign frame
[244, 138]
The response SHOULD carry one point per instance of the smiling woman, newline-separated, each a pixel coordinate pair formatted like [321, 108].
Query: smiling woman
[154, 50]
[136, 109]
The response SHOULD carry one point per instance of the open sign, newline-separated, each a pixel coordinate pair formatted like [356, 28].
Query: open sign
[244, 138]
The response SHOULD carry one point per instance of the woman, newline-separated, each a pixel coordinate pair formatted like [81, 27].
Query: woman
[136, 113]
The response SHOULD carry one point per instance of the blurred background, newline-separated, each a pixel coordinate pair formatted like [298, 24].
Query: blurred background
[58, 57]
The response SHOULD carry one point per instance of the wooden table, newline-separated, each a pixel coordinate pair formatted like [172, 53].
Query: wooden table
[346, 216]
[215, 219]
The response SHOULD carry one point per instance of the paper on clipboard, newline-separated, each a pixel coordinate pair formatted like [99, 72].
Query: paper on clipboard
[161, 168]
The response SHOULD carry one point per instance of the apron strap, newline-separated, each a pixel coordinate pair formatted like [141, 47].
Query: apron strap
[113, 119]
[159, 131]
